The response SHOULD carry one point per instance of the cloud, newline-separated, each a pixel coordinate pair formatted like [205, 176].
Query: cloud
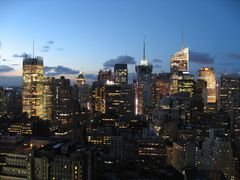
[156, 60]
[4, 68]
[119, 60]
[50, 42]
[46, 47]
[234, 56]
[45, 50]
[15, 64]
[23, 55]
[5, 60]
[200, 58]
[59, 70]
[59, 49]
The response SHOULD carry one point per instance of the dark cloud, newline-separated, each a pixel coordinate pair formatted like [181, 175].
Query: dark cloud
[156, 60]
[59, 70]
[5, 60]
[15, 64]
[45, 50]
[234, 56]
[119, 60]
[200, 58]
[4, 68]
[59, 49]
[50, 42]
[46, 47]
[157, 66]
[23, 55]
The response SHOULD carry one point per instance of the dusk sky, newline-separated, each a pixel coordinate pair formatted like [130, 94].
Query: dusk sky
[83, 35]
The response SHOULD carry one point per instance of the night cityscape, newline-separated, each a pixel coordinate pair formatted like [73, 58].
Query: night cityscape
[120, 90]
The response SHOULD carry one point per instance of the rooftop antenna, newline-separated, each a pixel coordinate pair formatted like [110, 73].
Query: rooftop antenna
[33, 47]
[144, 41]
[182, 44]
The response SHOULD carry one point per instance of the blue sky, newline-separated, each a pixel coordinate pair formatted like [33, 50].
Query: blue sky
[85, 34]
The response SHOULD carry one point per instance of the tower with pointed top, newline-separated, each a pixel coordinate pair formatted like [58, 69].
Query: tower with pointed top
[143, 87]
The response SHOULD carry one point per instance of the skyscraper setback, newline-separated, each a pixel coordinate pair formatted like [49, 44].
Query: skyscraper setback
[179, 63]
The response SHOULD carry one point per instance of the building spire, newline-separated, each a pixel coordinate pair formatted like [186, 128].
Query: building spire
[182, 42]
[144, 42]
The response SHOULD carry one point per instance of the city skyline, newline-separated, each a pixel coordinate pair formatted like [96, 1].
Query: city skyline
[93, 35]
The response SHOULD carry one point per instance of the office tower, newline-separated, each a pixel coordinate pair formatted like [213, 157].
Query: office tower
[207, 74]
[119, 100]
[82, 91]
[229, 88]
[47, 99]
[217, 154]
[3, 102]
[185, 83]
[105, 75]
[62, 102]
[32, 88]
[178, 63]
[143, 89]
[120, 74]
[98, 97]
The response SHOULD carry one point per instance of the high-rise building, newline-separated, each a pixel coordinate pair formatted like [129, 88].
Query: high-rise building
[62, 102]
[3, 102]
[178, 63]
[33, 89]
[105, 75]
[82, 91]
[207, 74]
[143, 89]
[119, 100]
[229, 88]
[120, 74]
[185, 83]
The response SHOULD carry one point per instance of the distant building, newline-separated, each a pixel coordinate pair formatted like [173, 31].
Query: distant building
[82, 91]
[105, 75]
[207, 74]
[120, 74]
[179, 63]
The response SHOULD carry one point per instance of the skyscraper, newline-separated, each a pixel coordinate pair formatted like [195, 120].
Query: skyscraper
[120, 74]
[62, 102]
[178, 63]
[32, 96]
[143, 89]
[207, 74]
[82, 91]
[230, 87]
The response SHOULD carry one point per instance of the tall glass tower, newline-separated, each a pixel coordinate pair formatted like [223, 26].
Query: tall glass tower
[179, 63]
